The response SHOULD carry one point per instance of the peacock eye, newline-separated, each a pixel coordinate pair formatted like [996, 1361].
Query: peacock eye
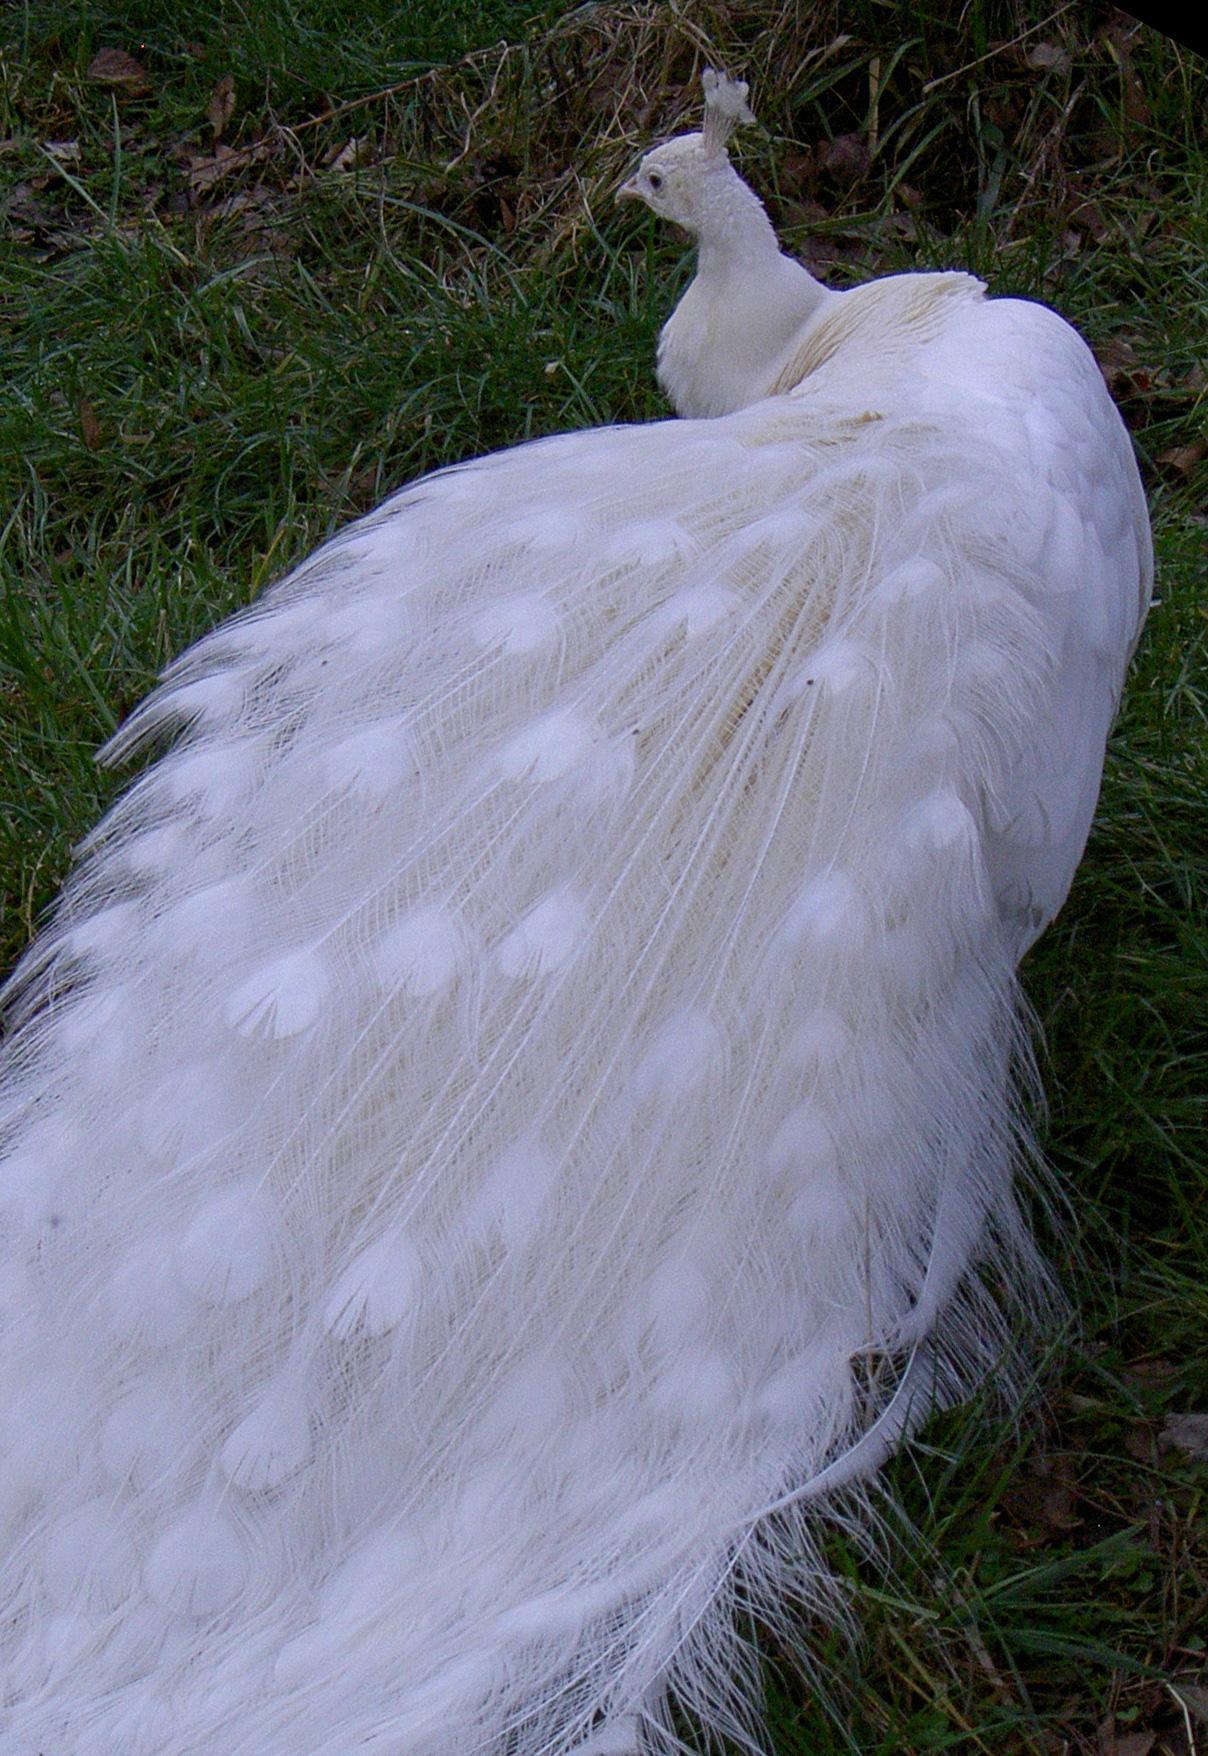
[656, 181]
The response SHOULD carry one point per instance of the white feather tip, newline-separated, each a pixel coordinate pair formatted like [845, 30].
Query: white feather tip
[725, 108]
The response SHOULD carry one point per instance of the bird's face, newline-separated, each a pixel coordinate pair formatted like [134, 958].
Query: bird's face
[670, 181]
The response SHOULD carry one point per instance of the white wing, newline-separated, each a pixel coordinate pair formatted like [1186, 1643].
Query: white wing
[1018, 374]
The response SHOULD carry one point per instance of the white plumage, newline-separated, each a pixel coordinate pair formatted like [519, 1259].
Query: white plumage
[516, 1107]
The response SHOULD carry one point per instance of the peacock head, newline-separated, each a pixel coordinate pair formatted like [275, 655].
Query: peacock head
[685, 179]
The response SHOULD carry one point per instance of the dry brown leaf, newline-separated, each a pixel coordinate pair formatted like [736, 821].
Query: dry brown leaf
[1121, 368]
[220, 106]
[1138, 1442]
[1059, 1511]
[1048, 58]
[803, 215]
[1089, 216]
[846, 157]
[1154, 1368]
[1189, 1432]
[797, 174]
[343, 158]
[90, 427]
[364, 488]
[206, 170]
[1114, 1743]
[1183, 459]
[1045, 1502]
[119, 71]
[1193, 1698]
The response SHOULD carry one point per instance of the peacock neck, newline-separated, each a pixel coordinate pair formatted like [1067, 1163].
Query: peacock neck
[736, 233]
[748, 301]
[723, 258]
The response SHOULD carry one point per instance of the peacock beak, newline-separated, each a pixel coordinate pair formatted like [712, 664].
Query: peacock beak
[629, 191]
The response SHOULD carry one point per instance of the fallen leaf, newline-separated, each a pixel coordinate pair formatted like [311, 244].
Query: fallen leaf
[1114, 1743]
[1188, 1432]
[1090, 217]
[901, 225]
[1118, 37]
[220, 106]
[23, 205]
[1194, 1699]
[1153, 1369]
[66, 151]
[90, 427]
[1183, 460]
[364, 489]
[345, 157]
[821, 254]
[1121, 368]
[804, 213]
[797, 174]
[1046, 1500]
[119, 71]
[1048, 58]
[846, 157]
[205, 171]
[1138, 1442]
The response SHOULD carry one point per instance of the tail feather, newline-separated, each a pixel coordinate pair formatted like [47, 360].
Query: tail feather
[517, 1104]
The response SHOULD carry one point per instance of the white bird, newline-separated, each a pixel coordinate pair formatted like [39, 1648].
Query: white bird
[517, 1108]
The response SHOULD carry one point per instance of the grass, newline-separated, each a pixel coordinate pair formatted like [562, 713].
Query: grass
[234, 317]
